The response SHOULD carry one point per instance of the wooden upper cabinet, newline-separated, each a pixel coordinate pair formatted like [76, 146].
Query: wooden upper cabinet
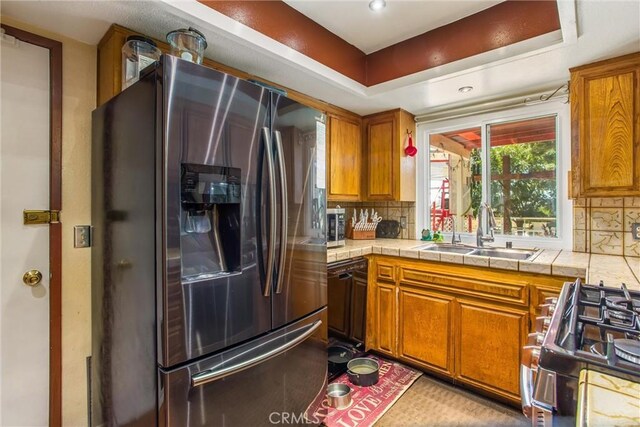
[605, 128]
[344, 159]
[390, 173]
[110, 71]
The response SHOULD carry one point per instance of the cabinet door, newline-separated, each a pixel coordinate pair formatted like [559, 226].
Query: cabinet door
[381, 156]
[425, 329]
[489, 341]
[339, 302]
[383, 333]
[358, 306]
[345, 159]
[606, 128]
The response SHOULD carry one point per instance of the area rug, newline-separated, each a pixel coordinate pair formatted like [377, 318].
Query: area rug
[434, 403]
[368, 404]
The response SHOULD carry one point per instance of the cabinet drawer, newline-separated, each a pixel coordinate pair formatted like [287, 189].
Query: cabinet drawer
[539, 293]
[385, 272]
[505, 291]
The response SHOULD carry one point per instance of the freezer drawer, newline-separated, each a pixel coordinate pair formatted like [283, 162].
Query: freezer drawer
[254, 384]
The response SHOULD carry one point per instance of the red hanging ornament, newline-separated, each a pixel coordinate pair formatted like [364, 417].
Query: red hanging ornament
[410, 150]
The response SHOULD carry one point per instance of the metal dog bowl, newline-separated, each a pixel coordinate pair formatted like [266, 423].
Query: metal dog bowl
[339, 395]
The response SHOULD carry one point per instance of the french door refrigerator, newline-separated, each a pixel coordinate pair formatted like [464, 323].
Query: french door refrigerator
[209, 256]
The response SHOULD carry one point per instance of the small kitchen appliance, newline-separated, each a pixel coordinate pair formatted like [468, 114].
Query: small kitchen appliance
[335, 227]
[586, 327]
[388, 229]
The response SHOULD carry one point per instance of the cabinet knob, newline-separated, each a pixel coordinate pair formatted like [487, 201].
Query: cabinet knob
[542, 323]
[547, 309]
[535, 338]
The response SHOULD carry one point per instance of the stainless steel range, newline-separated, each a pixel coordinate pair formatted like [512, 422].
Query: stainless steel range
[586, 327]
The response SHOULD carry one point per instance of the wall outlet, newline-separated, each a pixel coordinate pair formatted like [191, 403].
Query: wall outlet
[403, 222]
[81, 236]
[635, 230]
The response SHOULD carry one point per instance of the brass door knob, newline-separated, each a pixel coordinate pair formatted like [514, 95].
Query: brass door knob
[32, 277]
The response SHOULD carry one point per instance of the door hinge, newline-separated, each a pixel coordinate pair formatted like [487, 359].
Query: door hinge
[40, 217]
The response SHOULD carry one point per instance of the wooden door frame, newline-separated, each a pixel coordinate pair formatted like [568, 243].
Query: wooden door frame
[55, 203]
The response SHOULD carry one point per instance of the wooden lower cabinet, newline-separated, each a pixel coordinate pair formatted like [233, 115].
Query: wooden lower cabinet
[464, 323]
[381, 322]
[425, 329]
[488, 343]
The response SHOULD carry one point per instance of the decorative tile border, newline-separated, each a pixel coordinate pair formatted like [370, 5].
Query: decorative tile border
[606, 242]
[606, 219]
[580, 240]
[631, 248]
[603, 225]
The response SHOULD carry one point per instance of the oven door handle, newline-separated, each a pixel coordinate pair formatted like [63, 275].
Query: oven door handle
[293, 339]
[526, 390]
[530, 356]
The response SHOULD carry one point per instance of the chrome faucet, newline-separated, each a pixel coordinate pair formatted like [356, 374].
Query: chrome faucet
[454, 239]
[480, 237]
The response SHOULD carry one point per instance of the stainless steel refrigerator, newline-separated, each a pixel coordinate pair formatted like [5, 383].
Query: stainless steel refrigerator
[209, 256]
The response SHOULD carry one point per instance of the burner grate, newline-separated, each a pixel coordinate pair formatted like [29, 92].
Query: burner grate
[612, 309]
[594, 318]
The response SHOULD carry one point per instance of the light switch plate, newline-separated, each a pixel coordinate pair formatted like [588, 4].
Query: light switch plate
[403, 222]
[635, 230]
[82, 236]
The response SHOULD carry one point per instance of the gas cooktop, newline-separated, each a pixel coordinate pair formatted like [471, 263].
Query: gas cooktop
[596, 327]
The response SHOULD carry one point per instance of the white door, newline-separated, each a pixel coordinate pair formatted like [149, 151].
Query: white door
[24, 184]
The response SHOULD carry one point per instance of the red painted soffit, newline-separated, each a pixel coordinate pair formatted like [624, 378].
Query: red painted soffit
[501, 25]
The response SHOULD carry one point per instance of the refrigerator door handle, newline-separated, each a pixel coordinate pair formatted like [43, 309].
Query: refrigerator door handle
[284, 225]
[271, 250]
[210, 375]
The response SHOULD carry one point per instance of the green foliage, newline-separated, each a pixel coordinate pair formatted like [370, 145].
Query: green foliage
[476, 186]
[529, 197]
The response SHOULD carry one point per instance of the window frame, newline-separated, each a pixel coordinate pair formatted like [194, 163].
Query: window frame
[564, 239]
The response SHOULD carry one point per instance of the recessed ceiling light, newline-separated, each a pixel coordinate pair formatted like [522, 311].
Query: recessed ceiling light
[377, 5]
[465, 89]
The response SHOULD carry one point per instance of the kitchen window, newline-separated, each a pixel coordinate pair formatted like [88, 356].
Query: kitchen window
[515, 161]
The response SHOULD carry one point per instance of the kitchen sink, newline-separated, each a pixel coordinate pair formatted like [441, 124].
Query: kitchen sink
[510, 253]
[520, 254]
[446, 247]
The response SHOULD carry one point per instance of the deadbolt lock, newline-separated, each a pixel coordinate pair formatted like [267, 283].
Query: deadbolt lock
[31, 217]
[32, 277]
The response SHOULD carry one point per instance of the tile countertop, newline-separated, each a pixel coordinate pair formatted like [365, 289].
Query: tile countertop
[612, 269]
[605, 400]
